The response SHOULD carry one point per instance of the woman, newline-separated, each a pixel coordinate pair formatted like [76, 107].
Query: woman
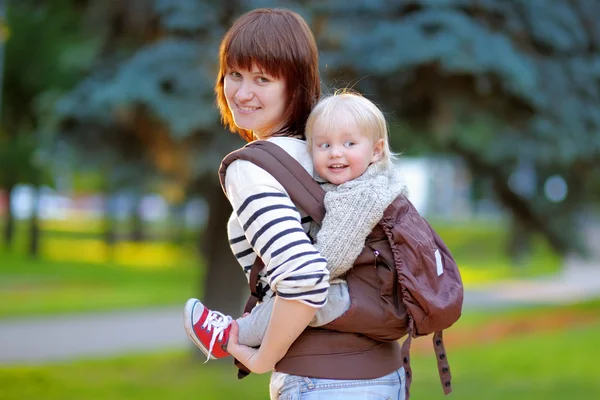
[268, 82]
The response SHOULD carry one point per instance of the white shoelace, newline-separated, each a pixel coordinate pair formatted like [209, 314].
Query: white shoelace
[216, 322]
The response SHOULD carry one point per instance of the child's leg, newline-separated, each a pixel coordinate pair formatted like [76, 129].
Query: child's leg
[253, 327]
[338, 302]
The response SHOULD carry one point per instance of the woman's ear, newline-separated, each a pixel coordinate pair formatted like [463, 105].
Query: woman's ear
[378, 150]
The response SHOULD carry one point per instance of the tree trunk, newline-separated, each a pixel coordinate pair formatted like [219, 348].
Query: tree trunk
[9, 224]
[522, 208]
[34, 224]
[110, 236]
[177, 227]
[519, 242]
[225, 286]
[136, 223]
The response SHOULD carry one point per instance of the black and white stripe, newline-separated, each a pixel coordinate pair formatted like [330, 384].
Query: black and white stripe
[266, 222]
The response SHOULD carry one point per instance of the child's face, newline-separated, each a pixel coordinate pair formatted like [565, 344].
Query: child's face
[342, 153]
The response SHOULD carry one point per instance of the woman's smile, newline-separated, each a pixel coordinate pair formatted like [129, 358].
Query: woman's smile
[246, 109]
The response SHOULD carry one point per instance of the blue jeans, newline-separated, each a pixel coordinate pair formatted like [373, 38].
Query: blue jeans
[389, 387]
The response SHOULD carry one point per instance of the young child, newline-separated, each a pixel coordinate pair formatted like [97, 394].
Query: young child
[348, 138]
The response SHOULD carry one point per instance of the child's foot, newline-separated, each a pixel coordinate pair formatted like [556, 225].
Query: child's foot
[207, 328]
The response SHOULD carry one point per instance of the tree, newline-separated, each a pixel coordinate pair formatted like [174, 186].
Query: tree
[31, 79]
[151, 101]
[498, 83]
[477, 79]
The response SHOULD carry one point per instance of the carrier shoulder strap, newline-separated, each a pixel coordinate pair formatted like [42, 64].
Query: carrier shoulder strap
[297, 182]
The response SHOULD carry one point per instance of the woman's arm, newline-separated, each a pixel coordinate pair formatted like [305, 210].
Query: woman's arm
[281, 333]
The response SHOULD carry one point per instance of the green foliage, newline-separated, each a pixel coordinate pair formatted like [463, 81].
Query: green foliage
[499, 83]
[21, 162]
[39, 54]
[39, 64]
[539, 57]
[169, 78]
[186, 15]
[169, 81]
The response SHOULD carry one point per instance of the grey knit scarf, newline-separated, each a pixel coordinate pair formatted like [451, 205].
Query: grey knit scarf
[352, 211]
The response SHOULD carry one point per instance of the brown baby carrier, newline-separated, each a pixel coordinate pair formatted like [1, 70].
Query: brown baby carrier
[405, 281]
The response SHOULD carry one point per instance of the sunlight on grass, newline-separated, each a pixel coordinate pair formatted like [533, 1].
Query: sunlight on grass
[134, 254]
[81, 224]
[155, 255]
[81, 250]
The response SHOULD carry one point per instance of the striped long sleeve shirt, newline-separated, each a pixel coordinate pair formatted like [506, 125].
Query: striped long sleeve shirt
[266, 222]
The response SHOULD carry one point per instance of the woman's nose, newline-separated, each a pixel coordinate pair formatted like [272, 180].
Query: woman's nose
[244, 93]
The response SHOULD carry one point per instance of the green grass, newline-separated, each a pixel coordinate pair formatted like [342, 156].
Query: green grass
[73, 274]
[537, 366]
[29, 287]
[479, 248]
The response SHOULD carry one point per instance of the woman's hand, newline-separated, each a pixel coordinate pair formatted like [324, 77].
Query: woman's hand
[248, 356]
[288, 319]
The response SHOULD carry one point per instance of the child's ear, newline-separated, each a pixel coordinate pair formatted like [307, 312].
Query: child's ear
[378, 150]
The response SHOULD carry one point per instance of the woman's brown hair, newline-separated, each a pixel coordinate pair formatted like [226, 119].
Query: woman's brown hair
[281, 44]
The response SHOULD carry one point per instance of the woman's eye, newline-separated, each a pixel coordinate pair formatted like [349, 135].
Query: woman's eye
[235, 74]
[262, 79]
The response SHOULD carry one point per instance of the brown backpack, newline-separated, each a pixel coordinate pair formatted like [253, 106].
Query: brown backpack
[426, 292]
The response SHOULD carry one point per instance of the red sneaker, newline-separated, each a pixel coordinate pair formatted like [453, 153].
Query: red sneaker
[207, 328]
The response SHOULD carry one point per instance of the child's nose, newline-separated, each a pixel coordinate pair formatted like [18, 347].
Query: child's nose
[335, 152]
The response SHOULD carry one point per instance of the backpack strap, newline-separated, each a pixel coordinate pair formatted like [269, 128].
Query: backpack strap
[440, 355]
[297, 182]
[442, 362]
[405, 353]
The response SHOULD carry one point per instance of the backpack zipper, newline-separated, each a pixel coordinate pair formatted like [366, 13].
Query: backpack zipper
[394, 272]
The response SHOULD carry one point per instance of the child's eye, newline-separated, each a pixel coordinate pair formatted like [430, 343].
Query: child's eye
[349, 143]
[324, 145]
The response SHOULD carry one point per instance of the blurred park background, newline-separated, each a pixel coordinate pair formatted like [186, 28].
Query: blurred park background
[109, 199]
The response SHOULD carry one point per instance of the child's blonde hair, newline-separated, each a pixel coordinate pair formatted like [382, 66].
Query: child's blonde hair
[368, 117]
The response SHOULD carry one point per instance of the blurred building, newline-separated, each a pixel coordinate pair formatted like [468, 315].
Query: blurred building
[439, 187]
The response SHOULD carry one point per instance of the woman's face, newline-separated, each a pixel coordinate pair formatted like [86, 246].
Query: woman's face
[257, 101]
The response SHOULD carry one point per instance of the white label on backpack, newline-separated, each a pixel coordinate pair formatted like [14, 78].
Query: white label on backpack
[438, 262]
